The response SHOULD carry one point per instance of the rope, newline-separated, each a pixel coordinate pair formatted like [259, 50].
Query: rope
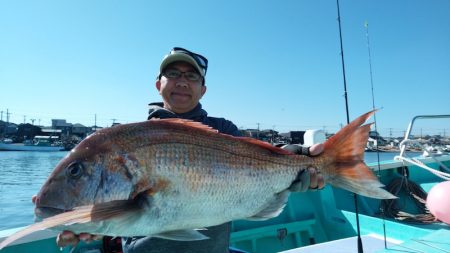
[414, 192]
[420, 164]
[440, 174]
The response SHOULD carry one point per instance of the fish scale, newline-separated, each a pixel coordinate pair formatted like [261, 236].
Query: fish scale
[227, 182]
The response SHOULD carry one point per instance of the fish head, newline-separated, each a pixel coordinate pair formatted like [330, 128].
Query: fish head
[95, 171]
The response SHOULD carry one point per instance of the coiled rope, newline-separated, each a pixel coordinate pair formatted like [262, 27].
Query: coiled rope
[393, 207]
[411, 190]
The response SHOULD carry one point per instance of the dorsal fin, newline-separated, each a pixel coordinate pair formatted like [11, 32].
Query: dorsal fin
[265, 145]
[188, 122]
[201, 126]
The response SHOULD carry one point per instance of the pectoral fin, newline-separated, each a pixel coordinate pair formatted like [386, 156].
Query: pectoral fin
[83, 214]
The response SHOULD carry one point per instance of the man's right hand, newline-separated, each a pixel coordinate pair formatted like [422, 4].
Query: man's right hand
[66, 238]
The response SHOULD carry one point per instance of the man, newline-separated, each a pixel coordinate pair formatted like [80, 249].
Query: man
[181, 84]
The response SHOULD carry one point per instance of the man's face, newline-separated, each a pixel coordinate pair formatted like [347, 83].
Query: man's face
[180, 95]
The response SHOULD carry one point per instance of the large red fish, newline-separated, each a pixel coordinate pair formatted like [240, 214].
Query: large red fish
[168, 177]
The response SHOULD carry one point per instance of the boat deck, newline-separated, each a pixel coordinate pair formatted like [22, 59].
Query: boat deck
[371, 243]
[436, 242]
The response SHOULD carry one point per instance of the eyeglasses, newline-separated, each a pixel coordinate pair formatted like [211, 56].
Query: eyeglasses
[200, 59]
[175, 74]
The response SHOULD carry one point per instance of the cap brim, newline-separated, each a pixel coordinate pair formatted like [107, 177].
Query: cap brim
[174, 57]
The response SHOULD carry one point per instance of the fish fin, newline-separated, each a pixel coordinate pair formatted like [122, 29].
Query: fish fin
[207, 128]
[273, 209]
[182, 235]
[113, 209]
[201, 126]
[187, 122]
[80, 216]
[83, 214]
[345, 151]
[22, 233]
[265, 145]
[97, 212]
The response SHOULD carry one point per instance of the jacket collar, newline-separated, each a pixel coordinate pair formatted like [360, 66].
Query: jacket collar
[157, 110]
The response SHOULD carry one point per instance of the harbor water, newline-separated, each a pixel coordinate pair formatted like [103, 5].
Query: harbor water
[22, 173]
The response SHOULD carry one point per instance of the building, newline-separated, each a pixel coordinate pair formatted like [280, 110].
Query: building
[80, 130]
[61, 124]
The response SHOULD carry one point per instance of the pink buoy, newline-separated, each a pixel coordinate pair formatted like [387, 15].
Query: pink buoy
[438, 201]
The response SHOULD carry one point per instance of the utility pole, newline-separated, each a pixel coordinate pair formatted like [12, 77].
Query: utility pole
[113, 121]
[7, 121]
[7, 115]
[257, 133]
[24, 118]
[273, 134]
[2, 133]
[32, 121]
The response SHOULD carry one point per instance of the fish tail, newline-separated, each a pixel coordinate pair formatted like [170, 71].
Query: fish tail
[345, 155]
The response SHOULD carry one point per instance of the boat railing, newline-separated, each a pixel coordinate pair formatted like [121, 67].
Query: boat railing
[407, 140]
[410, 127]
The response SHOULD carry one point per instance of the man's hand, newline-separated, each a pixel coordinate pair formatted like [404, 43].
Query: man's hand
[309, 179]
[316, 149]
[66, 238]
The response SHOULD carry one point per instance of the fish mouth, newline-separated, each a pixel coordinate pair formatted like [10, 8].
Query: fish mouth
[43, 212]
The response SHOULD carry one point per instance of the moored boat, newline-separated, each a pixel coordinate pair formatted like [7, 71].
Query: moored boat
[39, 143]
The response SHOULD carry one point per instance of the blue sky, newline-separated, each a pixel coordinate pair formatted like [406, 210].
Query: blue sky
[276, 63]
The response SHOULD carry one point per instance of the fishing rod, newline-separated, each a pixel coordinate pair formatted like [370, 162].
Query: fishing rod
[366, 25]
[355, 197]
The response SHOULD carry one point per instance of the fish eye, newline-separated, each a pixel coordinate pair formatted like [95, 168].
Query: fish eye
[75, 170]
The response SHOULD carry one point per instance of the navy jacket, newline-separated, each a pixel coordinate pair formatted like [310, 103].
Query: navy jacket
[156, 110]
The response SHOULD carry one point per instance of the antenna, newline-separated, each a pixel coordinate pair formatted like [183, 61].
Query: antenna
[366, 25]
[7, 115]
[360, 246]
[257, 133]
